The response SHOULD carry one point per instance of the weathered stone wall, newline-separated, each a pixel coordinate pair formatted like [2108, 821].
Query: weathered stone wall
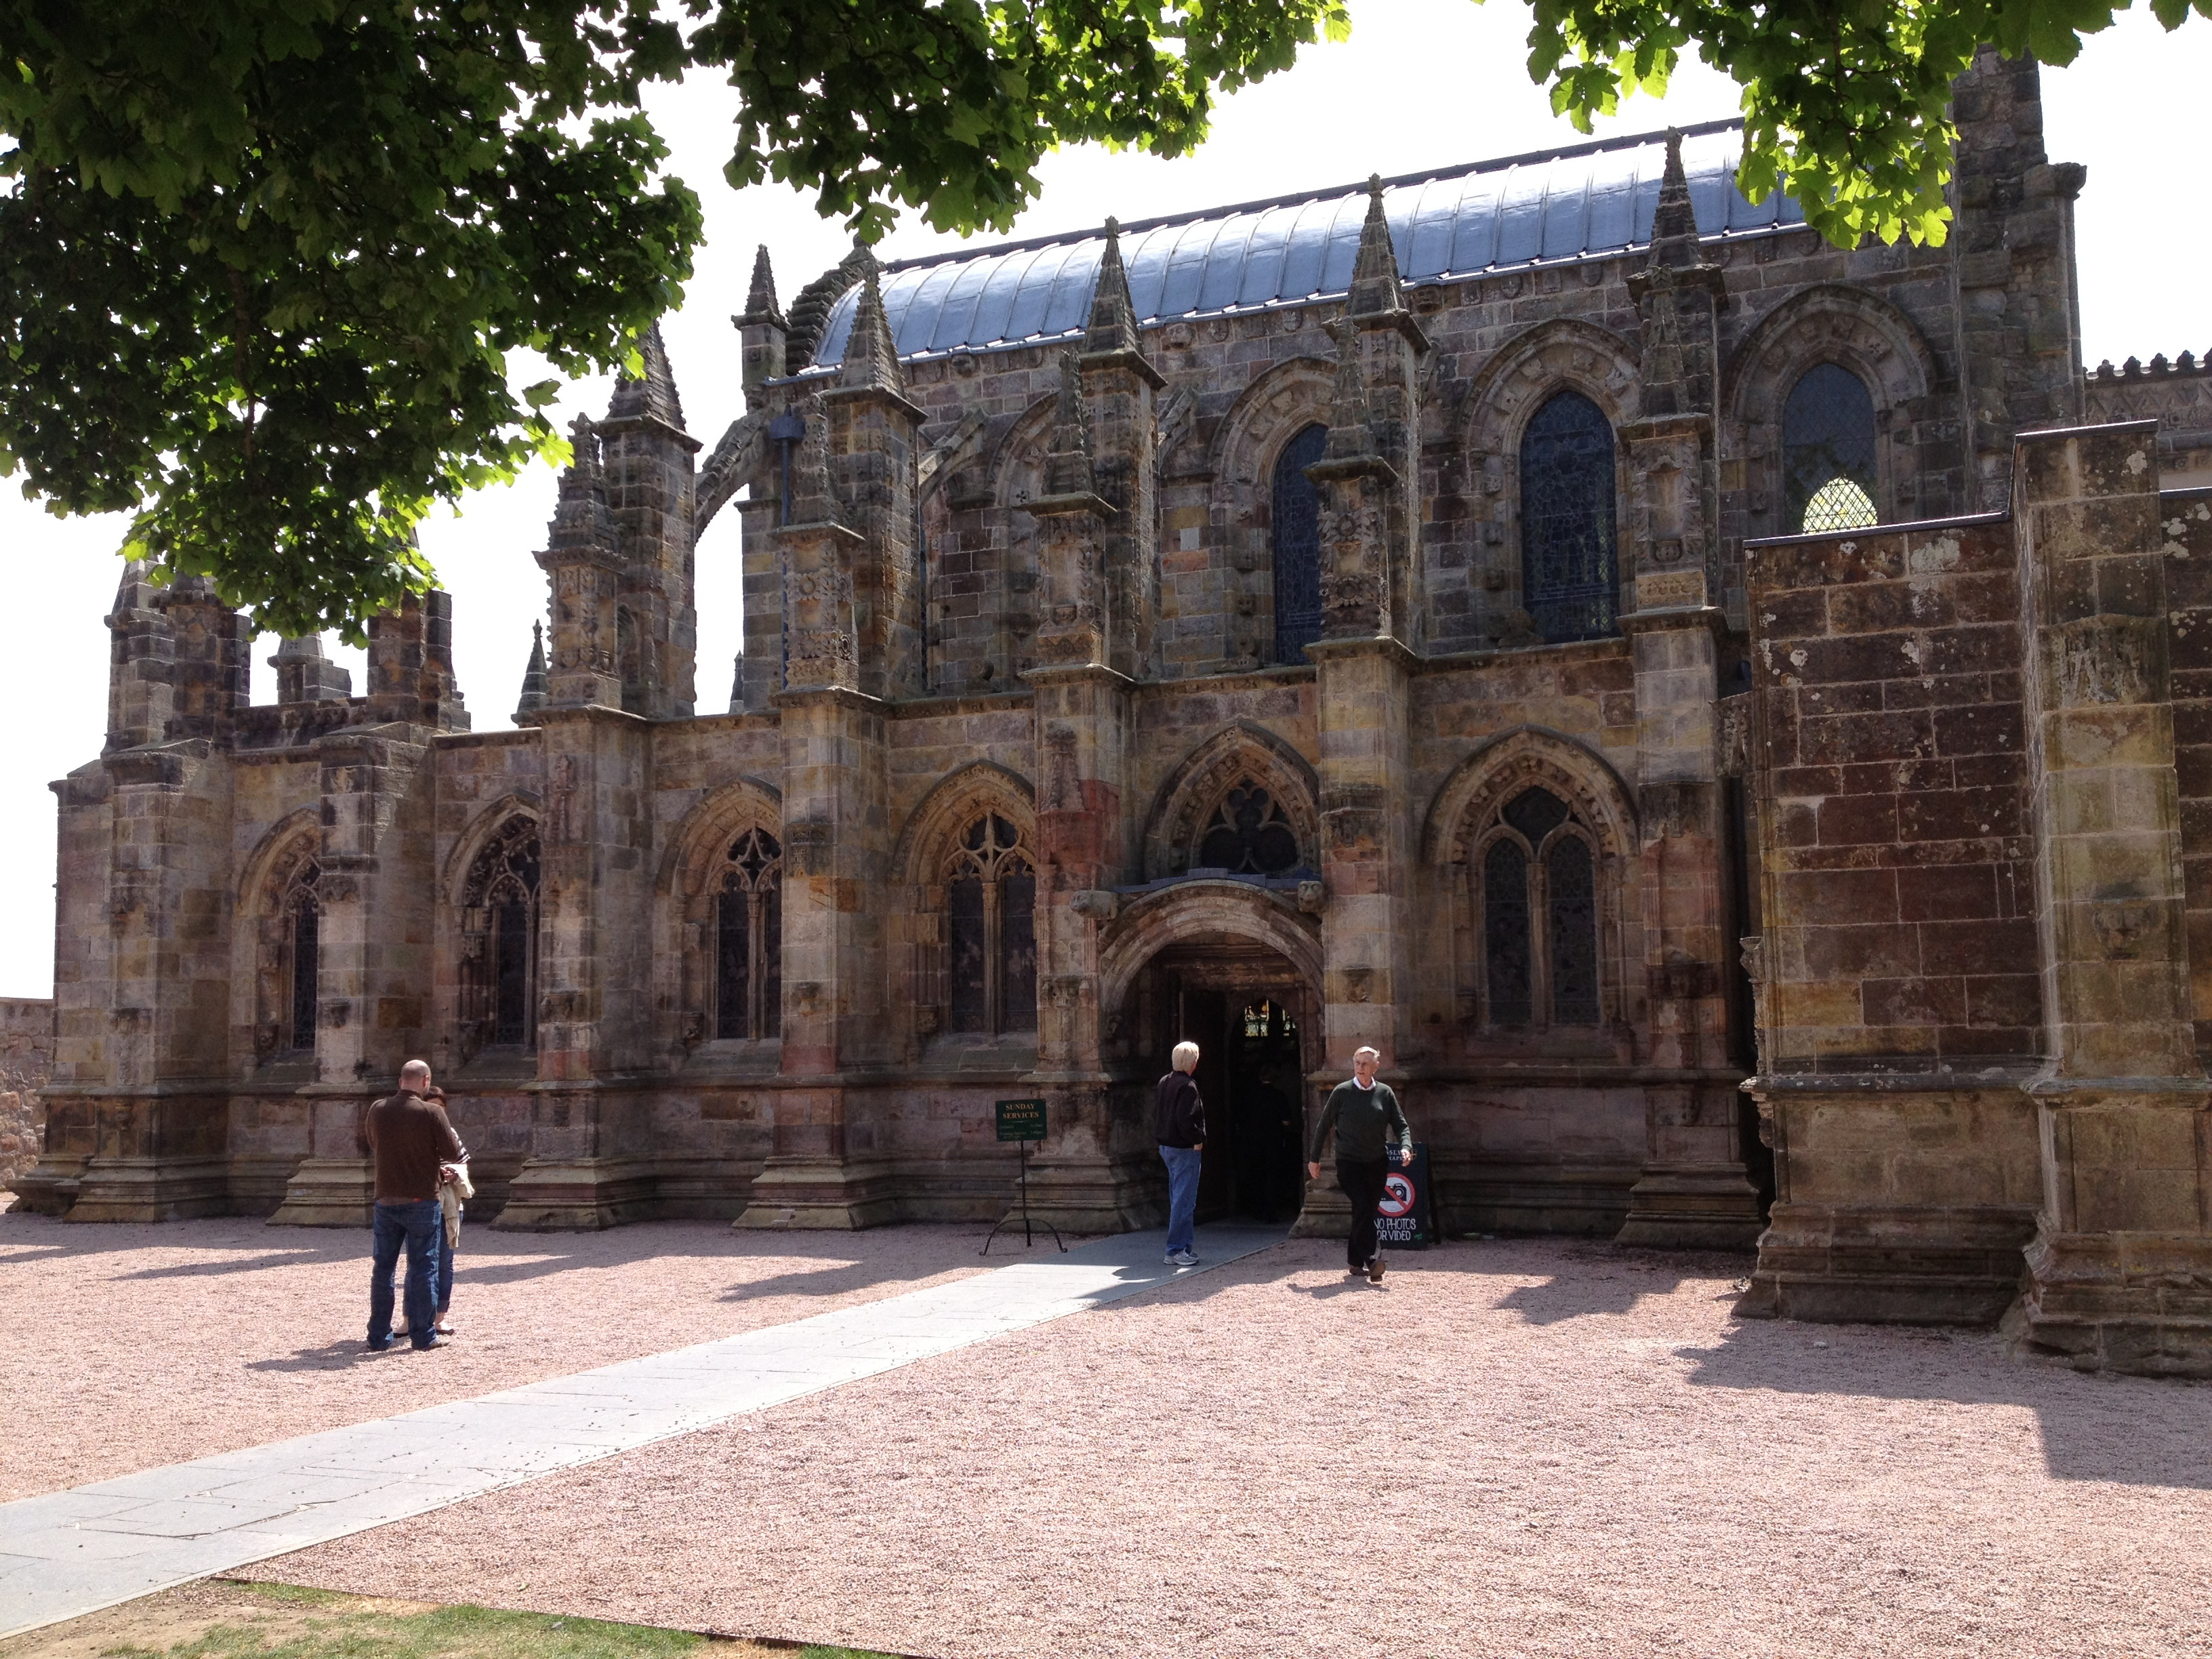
[2178, 395]
[2186, 521]
[27, 1058]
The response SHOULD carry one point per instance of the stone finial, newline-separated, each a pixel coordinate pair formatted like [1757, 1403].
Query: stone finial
[1374, 286]
[871, 360]
[814, 500]
[1675, 223]
[1113, 322]
[760, 300]
[533, 677]
[1068, 469]
[581, 520]
[652, 395]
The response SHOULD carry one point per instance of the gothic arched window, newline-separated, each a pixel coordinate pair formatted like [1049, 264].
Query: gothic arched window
[1828, 452]
[629, 660]
[302, 914]
[1250, 834]
[749, 939]
[499, 942]
[1539, 905]
[1297, 531]
[991, 930]
[1569, 583]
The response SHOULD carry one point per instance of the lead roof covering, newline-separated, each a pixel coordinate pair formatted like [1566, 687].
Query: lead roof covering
[1590, 201]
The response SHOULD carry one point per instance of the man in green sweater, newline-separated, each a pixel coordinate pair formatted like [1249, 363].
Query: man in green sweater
[1368, 1121]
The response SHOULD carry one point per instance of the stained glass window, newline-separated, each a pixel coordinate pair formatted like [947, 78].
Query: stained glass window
[511, 1020]
[1828, 452]
[306, 965]
[749, 953]
[1249, 834]
[1506, 956]
[499, 987]
[1569, 580]
[991, 931]
[1572, 893]
[1298, 546]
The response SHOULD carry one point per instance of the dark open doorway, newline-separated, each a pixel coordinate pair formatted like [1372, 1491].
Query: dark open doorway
[1250, 1074]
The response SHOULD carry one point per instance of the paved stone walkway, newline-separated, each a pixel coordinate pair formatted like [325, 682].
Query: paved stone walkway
[75, 1552]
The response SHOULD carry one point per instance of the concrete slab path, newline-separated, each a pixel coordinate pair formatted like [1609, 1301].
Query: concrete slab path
[72, 1553]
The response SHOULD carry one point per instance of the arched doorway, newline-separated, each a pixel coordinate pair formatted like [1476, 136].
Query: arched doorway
[1257, 1024]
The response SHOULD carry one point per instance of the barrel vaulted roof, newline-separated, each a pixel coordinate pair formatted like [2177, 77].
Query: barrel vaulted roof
[1553, 207]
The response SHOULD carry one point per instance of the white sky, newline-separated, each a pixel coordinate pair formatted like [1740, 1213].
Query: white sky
[1422, 83]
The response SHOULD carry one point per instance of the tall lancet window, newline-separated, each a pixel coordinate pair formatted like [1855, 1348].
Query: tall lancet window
[1828, 452]
[1539, 903]
[303, 942]
[499, 942]
[991, 931]
[1297, 530]
[749, 940]
[1570, 575]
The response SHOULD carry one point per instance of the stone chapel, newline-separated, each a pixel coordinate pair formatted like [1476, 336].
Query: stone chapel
[1729, 720]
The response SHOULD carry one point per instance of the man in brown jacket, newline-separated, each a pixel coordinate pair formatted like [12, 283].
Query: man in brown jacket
[410, 1137]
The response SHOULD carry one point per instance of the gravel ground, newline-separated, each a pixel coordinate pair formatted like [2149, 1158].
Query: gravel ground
[132, 1346]
[1510, 1447]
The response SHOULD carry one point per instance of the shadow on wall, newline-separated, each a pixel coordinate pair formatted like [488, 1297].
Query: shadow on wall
[26, 1054]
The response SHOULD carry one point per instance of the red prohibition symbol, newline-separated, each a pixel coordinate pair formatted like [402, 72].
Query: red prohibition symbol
[1397, 1195]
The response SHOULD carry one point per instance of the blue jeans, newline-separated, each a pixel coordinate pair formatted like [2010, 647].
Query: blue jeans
[421, 1228]
[445, 1267]
[1182, 1163]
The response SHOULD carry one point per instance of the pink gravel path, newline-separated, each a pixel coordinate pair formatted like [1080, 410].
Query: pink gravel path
[1514, 1448]
[131, 1346]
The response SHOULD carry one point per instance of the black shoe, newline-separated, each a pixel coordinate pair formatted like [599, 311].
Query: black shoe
[1354, 1270]
[435, 1341]
[385, 1346]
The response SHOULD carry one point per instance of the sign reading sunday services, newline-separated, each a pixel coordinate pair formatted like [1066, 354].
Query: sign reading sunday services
[1021, 1120]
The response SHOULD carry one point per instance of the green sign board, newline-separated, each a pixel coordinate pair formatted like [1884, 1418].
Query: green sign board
[1021, 1120]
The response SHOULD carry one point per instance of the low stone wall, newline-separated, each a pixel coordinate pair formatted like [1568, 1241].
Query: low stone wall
[27, 1058]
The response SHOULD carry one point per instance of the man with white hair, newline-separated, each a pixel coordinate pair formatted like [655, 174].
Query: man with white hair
[409, 1136]
[1368, 1120]
[1179, 1125]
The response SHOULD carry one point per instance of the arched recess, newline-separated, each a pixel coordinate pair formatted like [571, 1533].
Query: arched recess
[1267, 418]
[1861, 332]
[488, 931]
[939, 852]
[1198, 913]
[462, 856]
[689, 888]
[1514, 866]
[1562, 355]
[1193, 794]
[278, 990]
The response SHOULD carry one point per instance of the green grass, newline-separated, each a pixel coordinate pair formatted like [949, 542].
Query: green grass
[336, 1627]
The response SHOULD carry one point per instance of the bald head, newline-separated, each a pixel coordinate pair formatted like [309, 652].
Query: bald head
[414, 1075]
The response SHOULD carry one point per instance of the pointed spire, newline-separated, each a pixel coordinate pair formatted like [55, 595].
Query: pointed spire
[1068, 471]
[1113, 323]
[652, 396]
[533, 677]
[1375, 274]
[871, 360]
[1348, 434]
[582, 520]
[1675, 225]
[813, 499]
[760, 301]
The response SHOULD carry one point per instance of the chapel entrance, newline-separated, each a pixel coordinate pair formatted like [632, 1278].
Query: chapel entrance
[1248, 1011]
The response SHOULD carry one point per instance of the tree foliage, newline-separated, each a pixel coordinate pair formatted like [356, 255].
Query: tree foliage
[266, 261]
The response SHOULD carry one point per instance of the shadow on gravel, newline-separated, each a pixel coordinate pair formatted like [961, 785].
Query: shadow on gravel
[330, 1356]
[2132, 1430]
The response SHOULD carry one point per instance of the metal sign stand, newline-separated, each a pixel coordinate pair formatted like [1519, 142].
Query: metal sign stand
[1018, 1121]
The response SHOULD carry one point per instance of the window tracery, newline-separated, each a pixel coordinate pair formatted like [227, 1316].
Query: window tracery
[499, 942]
[749, 939]
[1828, 452]
[991, 929]
[291, 957]
[1569, 580]
[1538, 901]
[1250, 834]
[1296, 533]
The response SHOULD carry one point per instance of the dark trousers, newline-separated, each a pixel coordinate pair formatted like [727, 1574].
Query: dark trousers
[1363, 1185]
[419, 1228]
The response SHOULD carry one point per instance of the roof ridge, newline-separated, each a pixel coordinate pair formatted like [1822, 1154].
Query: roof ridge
[1230, 210]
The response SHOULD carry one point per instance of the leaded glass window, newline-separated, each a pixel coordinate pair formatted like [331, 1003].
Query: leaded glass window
[749, 940]
[1539, 909]
[1828, 452]
[1249, 834]
[1570, 581]
[307, 969]
[1505, 949]
[1297, 523]
[991, 930]
[499, 941]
